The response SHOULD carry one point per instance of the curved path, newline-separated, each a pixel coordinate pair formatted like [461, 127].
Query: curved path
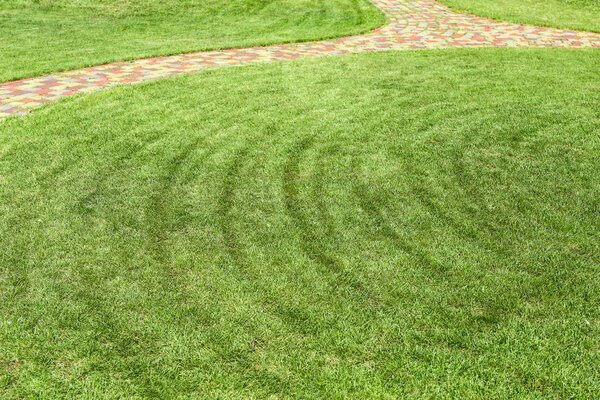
[414, 24]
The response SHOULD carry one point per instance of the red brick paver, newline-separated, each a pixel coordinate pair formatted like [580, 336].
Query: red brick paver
[414, 24]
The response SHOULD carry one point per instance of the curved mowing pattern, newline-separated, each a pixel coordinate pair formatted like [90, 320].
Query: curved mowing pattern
[414, 24]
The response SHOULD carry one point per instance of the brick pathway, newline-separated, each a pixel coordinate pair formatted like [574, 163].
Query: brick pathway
[414, 24]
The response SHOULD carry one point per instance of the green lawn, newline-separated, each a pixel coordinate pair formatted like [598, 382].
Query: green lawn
[310, 229]
[43, 36]
[583, 15]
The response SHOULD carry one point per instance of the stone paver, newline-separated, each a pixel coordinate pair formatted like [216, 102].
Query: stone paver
[413, 24]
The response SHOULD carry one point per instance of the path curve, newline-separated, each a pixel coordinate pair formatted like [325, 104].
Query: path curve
[413, 24]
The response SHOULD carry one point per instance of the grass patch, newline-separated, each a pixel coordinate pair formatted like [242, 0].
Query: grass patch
[582, 15]
[310, 229]
[43, 36]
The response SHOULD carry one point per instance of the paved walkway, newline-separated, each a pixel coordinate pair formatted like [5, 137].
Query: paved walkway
[414, 24]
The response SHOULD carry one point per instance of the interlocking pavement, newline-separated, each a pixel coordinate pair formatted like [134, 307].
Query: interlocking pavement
[413, 24]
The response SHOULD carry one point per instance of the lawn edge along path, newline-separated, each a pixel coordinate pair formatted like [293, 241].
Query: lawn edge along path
[413, 24]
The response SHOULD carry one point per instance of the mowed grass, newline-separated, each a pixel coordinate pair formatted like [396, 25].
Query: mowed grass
[43, 36]
[583, 15]
[415, 224]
